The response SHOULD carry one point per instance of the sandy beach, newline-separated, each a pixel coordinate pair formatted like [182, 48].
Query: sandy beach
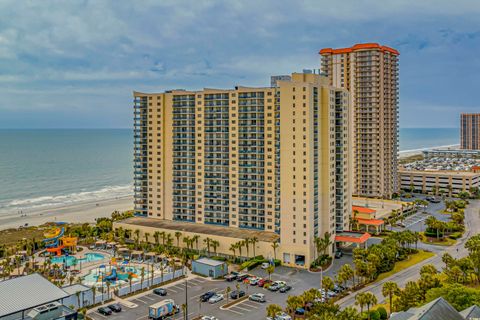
[75, 213]
[414, 152]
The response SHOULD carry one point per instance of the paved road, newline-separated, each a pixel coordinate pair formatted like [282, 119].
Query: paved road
[472, 222]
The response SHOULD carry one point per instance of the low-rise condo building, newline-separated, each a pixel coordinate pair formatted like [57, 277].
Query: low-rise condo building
[269, 164]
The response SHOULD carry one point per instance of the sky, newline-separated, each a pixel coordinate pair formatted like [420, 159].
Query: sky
[74, 64]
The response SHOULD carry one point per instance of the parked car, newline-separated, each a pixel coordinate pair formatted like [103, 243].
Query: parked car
[300, 311]
[208, 318]
[285, 289]
[254, 280]
[263, 282]
[337, 288]
[338, 254]
[230, 277]
[105, 311]
[237, 294]
[282, 316]
[160, 291]
[274, 287]
[265, 265]
[115, 307]
[258, 297]
[280, 283]
[216, 298]
[206, 296]
[242, 276]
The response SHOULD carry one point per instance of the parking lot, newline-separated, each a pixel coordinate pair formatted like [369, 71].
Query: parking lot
[300, 280]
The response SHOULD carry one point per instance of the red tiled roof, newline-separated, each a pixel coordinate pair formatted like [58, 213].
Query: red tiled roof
[363, 209]
[370, 222]
[347, 238]
[359, 46]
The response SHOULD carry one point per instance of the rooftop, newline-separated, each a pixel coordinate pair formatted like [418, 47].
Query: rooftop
[200, 228]
[27, 292]
[438, 309]
[352, 237]
[210, 262]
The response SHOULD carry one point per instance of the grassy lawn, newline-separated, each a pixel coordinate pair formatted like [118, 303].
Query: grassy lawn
[446, 241]
[444, 212]
[412, 260]
[11, 236]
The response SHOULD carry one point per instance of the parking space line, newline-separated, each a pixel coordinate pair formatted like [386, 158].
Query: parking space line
[230, 310]
[149, 298]
[238, 307]
[249, 305]
[98, 314]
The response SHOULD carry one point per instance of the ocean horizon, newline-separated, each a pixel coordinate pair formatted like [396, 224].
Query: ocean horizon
[43, 168]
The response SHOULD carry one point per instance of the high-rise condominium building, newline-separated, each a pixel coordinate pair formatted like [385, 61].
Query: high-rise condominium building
[370, 73]
[470, 131]
[247, 163]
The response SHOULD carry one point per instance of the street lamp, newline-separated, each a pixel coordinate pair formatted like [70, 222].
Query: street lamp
[186, 299]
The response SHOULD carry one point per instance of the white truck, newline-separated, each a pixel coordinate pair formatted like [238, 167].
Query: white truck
[163, 309]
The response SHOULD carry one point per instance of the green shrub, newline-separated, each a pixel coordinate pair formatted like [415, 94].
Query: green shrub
[321, 261]
[218, 258]
[455, 235]
[252, 263]
[374, 315]
[383, 313]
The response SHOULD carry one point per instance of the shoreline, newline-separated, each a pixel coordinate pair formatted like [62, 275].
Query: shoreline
[414, 152]
[80, 212]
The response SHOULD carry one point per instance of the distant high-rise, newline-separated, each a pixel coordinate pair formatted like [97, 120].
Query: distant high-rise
[370, 72]
[470, 131]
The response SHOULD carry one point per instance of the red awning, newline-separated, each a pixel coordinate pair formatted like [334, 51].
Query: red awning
[370, 222]
[352, 237]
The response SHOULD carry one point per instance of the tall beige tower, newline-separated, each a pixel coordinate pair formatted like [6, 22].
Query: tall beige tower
[470, 131]
[265, 163]
[370, 73]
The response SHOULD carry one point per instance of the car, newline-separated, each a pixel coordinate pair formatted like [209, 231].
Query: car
[160, 291]
[338, 254]
[265, 265]
[300, 311]
[258, 297]
[263, 282]
[282, 316]
[280, 283]
[242, 276]
[115, 307]
[254, 280]
[331, 294]
[216, 298]
[230, 277]
[237, 294]
[105, 311]
[208, 318]
[206, 296]
[285, 289]
[337, 289]
[274, 287]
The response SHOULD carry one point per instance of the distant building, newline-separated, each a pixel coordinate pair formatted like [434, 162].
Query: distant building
[438, 309]
[425, 180]
[274, 80]
[470, 131]
[451, 153]
[369, 72]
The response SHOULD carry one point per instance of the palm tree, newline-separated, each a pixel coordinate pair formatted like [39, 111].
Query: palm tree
[327, 284]
[186, 240]
[227, 292]
[390, 289]
[71, 279]
[270, 269]
[156, 236]
[142, 277]
[94, 293]
[108, 289]
[163, 235]
[215, 244]
[273, 310]
[254, 241]
[207, 241]
[246, 242]
[130, 277]
[239, 246]
[77, 294]
[146, 235]
[137, 237]
[274, 247]
[354, 220]
[365, 299]
[232, 248]
[195, 238]
[178, 234]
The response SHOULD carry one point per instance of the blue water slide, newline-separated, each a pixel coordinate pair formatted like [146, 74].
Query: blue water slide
[53, 242]
[112, 276]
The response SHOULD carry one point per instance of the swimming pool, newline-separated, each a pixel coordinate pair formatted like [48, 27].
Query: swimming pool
[93, 277]
[72, 260]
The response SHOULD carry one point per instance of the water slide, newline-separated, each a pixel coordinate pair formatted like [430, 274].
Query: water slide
[52, 241]
[112, 276]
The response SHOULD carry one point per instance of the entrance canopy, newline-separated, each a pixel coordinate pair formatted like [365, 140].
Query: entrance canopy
[352, 237]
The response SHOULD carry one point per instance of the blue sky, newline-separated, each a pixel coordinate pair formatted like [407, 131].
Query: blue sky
[74, 64]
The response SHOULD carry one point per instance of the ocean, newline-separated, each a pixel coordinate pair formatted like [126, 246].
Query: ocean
[47, 168]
